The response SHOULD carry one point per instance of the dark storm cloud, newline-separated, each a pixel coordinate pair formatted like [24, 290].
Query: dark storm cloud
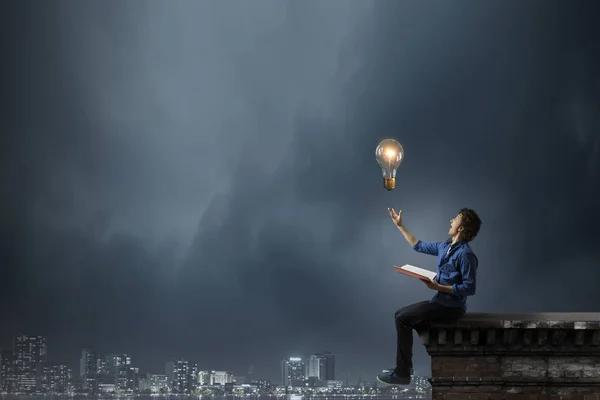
[199, 180]
[479, 104]
[138, 117]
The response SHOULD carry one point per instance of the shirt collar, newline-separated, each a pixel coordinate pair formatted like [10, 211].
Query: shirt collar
[457, 244]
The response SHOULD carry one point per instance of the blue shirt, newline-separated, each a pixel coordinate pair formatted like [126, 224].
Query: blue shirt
[456, 267]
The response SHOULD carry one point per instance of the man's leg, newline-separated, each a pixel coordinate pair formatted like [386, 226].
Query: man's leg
[406, 318]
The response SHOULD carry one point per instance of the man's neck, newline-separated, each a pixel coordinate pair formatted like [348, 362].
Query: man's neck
[456, 238]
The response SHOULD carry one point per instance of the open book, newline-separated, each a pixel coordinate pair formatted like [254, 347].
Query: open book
[415, 272]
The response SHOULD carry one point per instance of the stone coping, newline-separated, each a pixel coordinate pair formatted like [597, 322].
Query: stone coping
[515, 356]
[476, 320]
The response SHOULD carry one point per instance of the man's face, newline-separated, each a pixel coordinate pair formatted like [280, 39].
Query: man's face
[455, 225]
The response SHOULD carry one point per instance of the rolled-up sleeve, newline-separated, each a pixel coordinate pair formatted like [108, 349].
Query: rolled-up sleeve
[431, 248]
[468, 270]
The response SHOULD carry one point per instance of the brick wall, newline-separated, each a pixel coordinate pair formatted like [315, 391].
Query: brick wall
[510, 356]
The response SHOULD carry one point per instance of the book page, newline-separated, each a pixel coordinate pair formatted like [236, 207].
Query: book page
[418, 271]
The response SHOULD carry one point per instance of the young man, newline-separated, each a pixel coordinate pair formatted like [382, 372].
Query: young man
[454, 281]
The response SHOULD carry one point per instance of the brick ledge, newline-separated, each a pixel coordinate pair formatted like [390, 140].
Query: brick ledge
[519, 355]
[513, 381]
[526, 321]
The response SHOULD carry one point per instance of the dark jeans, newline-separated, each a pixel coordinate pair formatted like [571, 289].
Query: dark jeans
[419, 314]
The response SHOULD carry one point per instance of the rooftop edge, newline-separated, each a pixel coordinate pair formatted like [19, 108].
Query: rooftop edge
[525, 320]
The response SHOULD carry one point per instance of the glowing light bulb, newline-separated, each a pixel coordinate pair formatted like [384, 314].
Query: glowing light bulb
[389, 154]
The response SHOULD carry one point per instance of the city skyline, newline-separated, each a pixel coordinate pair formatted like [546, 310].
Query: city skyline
[26, 370]
[317, 365]
[199, 179]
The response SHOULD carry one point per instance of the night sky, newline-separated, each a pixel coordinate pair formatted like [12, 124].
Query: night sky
[197, 179]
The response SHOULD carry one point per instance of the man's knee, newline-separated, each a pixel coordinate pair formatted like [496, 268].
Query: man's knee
[403, 316]
[410, 314]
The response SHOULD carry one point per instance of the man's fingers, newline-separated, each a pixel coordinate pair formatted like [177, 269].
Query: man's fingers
[396, 216]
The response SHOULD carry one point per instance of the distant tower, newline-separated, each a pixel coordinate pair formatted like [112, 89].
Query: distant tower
[249, 374]
[177, 373]
[30, 360]
[87, 370]
[321, 366]
[8, 373]
[292, 372]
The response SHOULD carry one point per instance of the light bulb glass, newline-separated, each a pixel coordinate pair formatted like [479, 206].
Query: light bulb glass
[389, 155]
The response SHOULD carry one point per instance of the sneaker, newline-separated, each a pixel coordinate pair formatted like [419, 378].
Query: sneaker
[395, 377]
[389, 370]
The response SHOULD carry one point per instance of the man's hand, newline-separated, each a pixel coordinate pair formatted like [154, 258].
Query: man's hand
[433, 285]
[396, 217]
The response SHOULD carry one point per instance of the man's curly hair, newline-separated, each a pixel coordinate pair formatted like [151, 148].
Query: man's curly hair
[471, 224]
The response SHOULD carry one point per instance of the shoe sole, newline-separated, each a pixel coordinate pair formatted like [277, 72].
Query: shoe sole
[386, 383]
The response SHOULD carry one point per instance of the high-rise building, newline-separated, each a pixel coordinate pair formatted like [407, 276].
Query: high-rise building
[170, 372]
[8, 375]
[121, 364]
[313, 367]
[104, 374]
[87, 370]
[113, 373]
[158, 383]
[220, 378]
[321, 366]
[59, 379]
[178, 372]
[154, 383]
[192, 379]
[30, 360]
[292, 372]
[133, 381]
[43, 380]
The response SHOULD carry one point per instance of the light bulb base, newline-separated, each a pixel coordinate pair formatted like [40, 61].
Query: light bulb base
[389, 183]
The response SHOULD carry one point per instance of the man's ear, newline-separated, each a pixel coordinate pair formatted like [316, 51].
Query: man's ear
[461, 228]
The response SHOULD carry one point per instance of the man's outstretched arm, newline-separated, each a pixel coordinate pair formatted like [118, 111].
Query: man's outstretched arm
[418, 245]
[410, 238]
